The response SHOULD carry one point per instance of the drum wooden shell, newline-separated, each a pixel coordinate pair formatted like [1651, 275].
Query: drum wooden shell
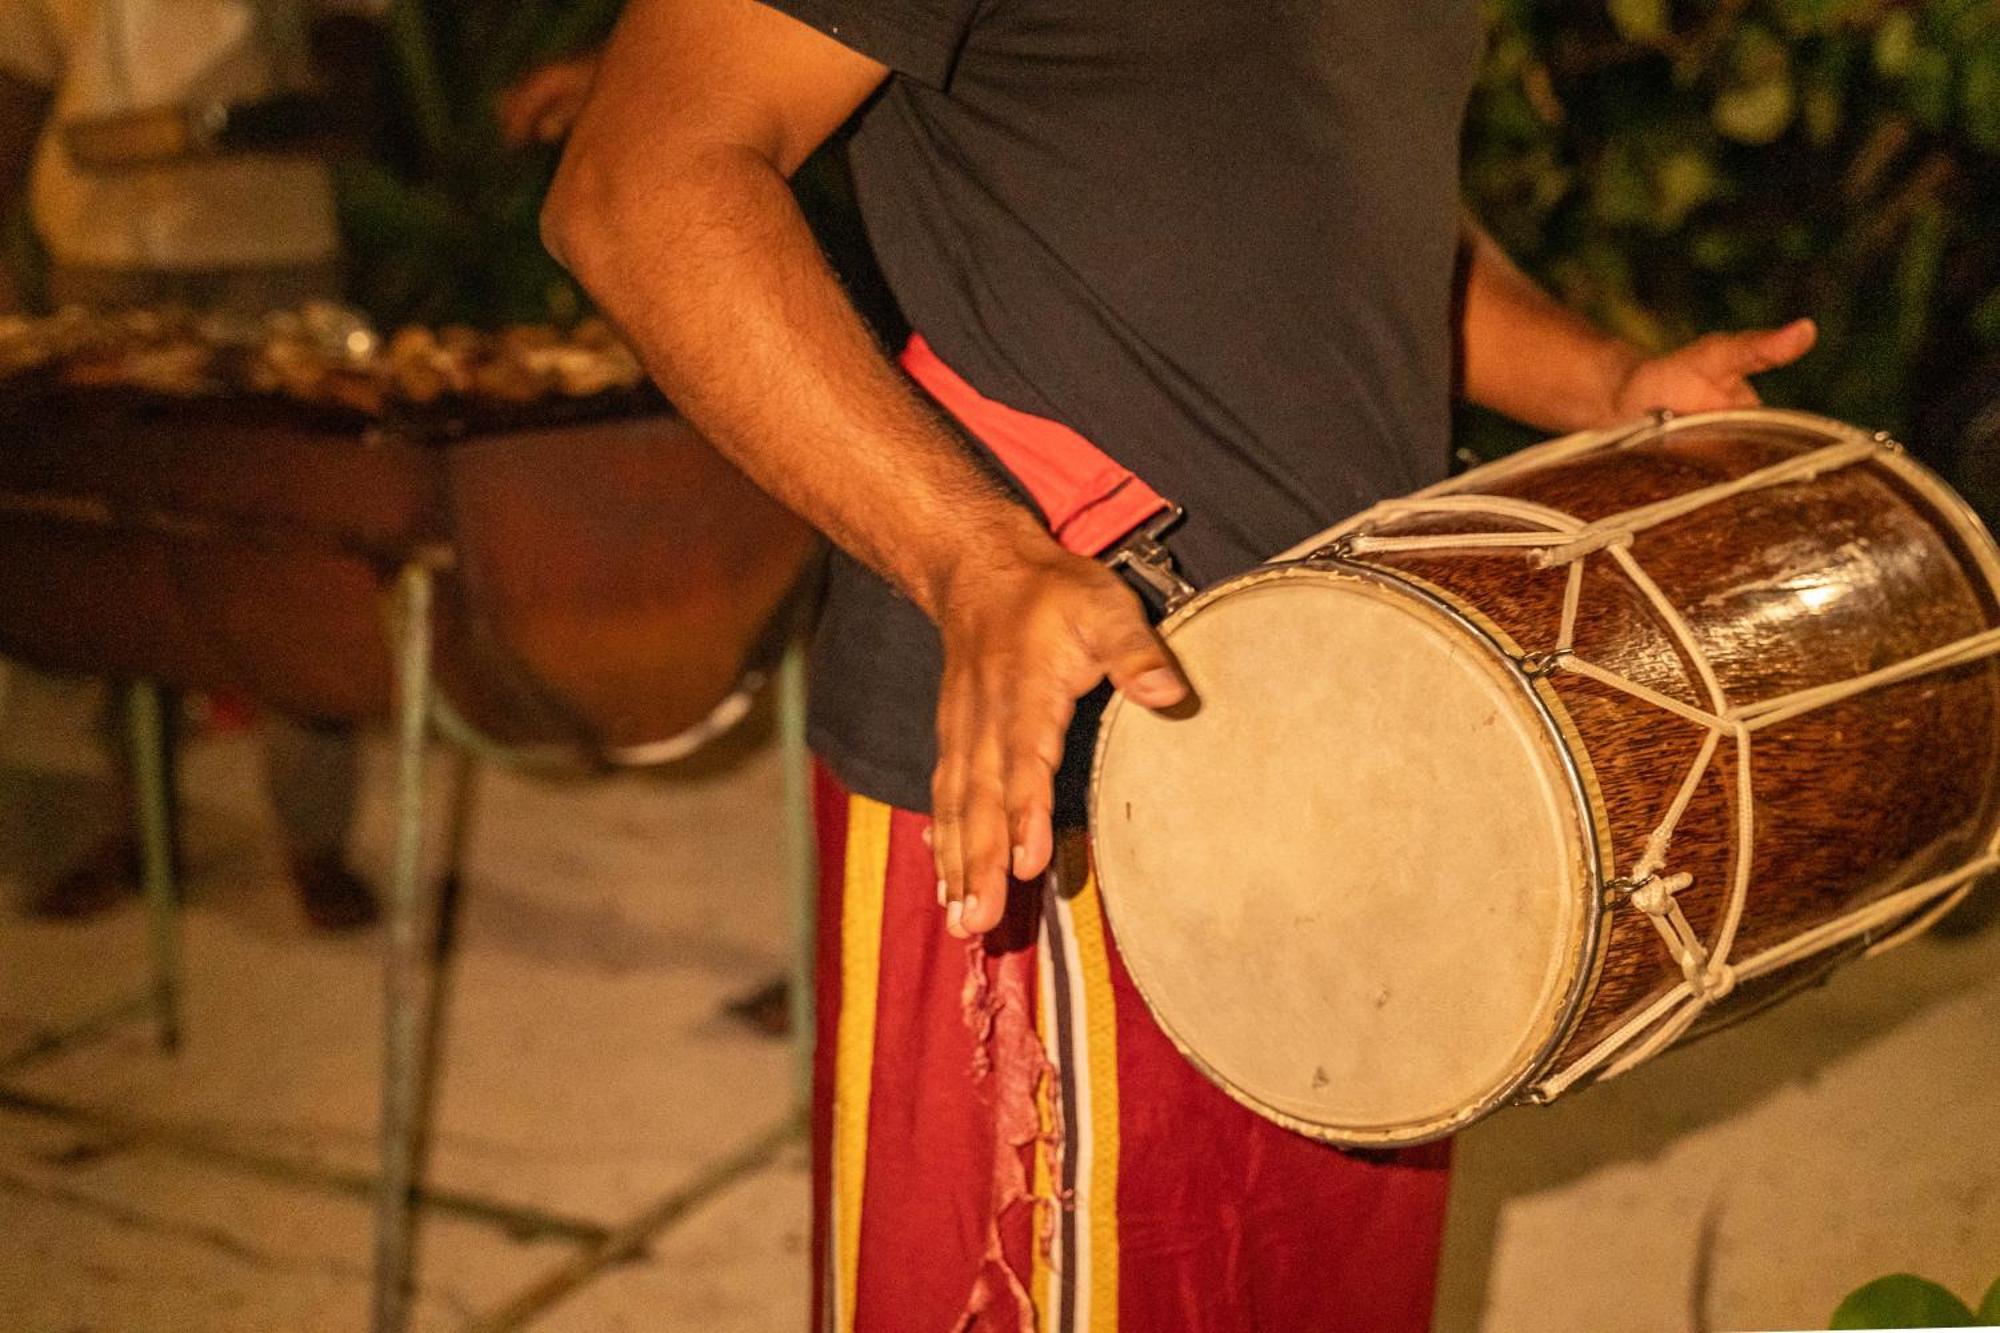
[1782, 588]
[604, 586]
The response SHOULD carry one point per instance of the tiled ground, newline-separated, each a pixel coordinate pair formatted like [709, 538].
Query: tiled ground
[589, 1075]
[589, 1071]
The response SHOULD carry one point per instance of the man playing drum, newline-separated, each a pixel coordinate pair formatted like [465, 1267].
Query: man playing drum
[1175, 249]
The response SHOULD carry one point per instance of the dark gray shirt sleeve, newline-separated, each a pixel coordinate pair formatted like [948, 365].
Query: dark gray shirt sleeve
[919, 38]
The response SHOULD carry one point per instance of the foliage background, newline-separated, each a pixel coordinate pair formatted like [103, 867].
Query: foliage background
[1676, 167]
[439, 214]
[1670, 166]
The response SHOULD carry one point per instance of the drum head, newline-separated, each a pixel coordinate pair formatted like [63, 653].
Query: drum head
[1355, 886]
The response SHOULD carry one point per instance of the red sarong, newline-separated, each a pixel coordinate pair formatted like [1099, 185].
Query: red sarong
[1151, 1202]
[1003, 1139]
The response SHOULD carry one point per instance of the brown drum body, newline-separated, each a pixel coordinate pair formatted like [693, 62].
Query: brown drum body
[603, 587]
[1718, 563]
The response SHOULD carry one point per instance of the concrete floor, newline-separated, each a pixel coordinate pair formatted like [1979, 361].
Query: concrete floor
[590, 1076]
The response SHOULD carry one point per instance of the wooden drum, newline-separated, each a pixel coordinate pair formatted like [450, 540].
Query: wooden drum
[1509, 785]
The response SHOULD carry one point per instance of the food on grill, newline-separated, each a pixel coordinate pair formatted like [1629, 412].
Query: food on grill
[167, 350]
[321, 354]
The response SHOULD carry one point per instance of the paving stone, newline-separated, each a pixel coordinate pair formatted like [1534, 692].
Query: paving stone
[588, 1068]
[738, 1265]
[1745, 1182]
[1751, 1180]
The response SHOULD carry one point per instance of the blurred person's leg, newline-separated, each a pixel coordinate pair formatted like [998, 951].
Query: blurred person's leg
[311, 772]
[109, 871]
[310, 769]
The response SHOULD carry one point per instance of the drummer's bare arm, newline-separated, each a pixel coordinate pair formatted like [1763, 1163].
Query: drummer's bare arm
[671, 208]
[1528, 357]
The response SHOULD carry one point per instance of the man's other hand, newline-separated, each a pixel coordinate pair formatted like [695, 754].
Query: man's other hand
[542, 105]
[1024, 639]
[1710, 373]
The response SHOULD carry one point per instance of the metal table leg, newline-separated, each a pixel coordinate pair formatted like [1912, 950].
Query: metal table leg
[801, 861]
[404, 937]
[146, 721]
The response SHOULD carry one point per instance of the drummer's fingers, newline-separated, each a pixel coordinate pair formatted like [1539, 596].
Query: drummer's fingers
[1760, 350]
[1115, 633]
[947, 797]
[1034, 752]
[983, 840]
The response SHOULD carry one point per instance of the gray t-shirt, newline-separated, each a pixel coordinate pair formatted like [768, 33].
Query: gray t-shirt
[1218, 240]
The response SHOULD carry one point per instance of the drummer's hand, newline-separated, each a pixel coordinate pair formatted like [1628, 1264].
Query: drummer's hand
[1023, 640]
[1710, 373]
[542, 105]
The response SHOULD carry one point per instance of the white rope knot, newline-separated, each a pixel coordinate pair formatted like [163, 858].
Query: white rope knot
[1654, 895]
[1716, 982]
[1584, 543]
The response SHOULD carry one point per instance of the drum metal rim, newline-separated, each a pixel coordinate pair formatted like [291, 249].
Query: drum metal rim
[1589, 817]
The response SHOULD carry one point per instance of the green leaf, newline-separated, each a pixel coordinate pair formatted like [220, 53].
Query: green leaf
[1918, 269]
[1639, 20]
[1718, 249]
[1979, 96]
[1986, 327]
[1758, 113]
[1895, 43]
[1759, 100]
[1989, 1309]
[1622, 193]
[1902, 1300]
[1930, 86]
[1684, 181]
[1822, 115]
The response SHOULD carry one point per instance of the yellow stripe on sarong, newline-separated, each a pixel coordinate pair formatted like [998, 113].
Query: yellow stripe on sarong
[1100, 1040]
[866, 869]
[1048, 1208]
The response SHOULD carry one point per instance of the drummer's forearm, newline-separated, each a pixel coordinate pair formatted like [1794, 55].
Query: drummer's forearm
[1525, 355]
[695, 247]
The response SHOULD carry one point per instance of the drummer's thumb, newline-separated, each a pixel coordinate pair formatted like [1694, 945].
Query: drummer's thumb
[1140, 666]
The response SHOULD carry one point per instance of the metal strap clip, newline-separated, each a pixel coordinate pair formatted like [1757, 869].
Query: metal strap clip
[1537, 665]
[1340, 548]
[1152, 563]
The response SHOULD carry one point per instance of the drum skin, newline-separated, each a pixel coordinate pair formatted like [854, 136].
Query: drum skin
[1802, 584]
[1793, 586]
[603, 586]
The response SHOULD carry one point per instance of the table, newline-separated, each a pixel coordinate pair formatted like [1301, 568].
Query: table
[564, 584]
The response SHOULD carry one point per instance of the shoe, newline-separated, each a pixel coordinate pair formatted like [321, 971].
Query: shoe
[767, 1010]
[107, 876]
[334, 897]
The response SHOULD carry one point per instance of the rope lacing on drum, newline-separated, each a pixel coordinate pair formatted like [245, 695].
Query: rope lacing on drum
[1654, 895]
[1709, 973]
